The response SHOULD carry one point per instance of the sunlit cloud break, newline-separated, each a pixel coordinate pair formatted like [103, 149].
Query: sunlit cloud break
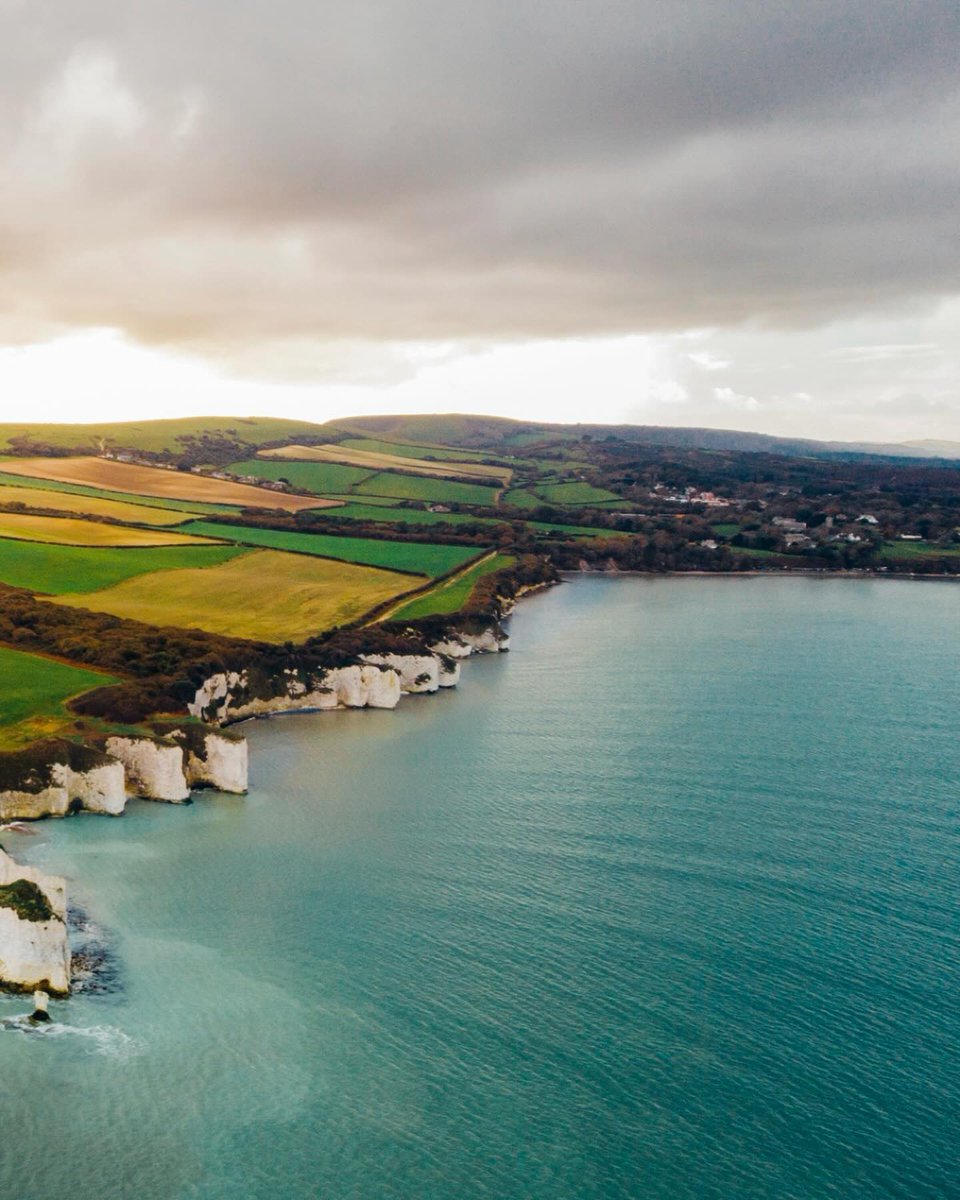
[647, 212]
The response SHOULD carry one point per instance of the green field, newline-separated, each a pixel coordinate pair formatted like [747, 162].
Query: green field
[521, 498]
[451, 595]
[319, 477]
[379, 501]
[370, 510]
[726, 529]
[576, 492]
[32, 695]
[411, 557]
[421, 487]
[907, 551]
[266, 594]
[43, 567]
[577, 530]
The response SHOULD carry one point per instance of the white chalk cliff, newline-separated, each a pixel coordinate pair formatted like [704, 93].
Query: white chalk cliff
[416, 672]
[378, 681]
[168, 767]
[34, 950]
[227, 696]
[221, 764]
[158, 768]
[96, 786]
[154, 770]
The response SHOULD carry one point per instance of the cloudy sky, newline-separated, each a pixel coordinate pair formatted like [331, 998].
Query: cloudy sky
[735, 214]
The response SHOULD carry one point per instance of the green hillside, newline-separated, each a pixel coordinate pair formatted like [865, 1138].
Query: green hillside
[156, 436]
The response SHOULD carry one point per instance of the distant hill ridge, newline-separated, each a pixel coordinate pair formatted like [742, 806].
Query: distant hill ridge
[502, 435]
[505, 434]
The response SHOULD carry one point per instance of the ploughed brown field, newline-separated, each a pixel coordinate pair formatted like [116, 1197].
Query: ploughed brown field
[380, 462]
[154, 481]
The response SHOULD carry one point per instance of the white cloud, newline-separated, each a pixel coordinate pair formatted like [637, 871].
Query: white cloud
[88, 98]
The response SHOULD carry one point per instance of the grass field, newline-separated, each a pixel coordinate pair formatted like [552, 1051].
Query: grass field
[373, 509]
[576, 492]
[576, 530]
[420, 487]
[910, 551]
[411, 557]
[726, 529]
[379, 460]
[91, 506]
[152, 481]
[451, 595]
[310, 476]
[74, 531]
[265, 595]
[32, 695]
[379, 501]
[521, 498]
[42, 567]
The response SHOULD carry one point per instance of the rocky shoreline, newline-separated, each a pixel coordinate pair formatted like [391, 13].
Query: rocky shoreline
[59, 778]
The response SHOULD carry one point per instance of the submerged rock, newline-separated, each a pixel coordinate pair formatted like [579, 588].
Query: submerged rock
[41, 1004]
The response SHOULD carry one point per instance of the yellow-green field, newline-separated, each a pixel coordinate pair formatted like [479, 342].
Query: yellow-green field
[153, 481]
[90, 506]
[379, 462]
[266, 595]
[74, 531]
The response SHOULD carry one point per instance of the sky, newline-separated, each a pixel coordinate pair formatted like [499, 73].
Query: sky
[682, 212]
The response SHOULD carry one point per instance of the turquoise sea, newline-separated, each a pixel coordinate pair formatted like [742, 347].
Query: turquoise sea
[664, 903]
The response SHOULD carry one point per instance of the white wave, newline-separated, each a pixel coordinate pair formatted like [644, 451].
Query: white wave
[106, 1040]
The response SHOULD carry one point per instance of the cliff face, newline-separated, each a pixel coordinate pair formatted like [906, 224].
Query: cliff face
[220, 763]
[418, 672]
[231, 697]
[377, 681]
[167, 767]
[153, 769]
[34, 950]
[480, 639]
[55, 778]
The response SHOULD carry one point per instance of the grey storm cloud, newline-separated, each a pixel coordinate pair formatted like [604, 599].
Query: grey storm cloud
[211, 173]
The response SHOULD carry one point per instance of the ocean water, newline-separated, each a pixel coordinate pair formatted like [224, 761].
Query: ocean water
[665, 903]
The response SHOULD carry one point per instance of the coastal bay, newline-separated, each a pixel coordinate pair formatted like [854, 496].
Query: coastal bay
[662, 903]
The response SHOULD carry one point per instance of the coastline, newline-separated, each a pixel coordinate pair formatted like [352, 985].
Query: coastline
[770, 573]
[162, 771]
[60, 778]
